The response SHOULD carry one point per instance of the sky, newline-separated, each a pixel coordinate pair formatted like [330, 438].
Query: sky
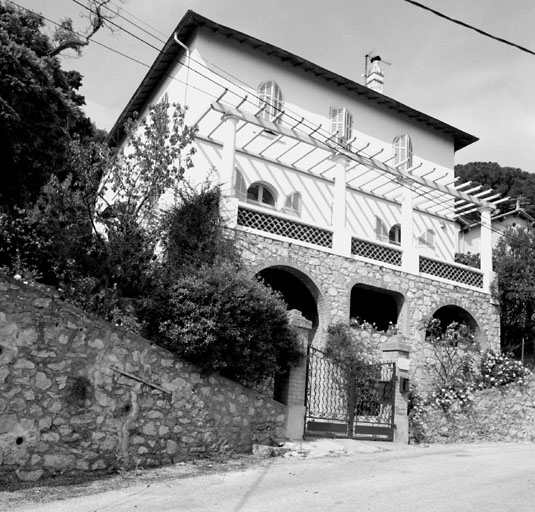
[477, 84]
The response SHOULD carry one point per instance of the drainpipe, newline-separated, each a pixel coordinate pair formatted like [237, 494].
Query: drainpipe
[180, 43]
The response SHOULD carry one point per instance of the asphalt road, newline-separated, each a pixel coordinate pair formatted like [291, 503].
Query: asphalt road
[486, 478]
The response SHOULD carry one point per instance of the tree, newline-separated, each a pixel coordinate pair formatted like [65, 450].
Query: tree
[509, 181]
[514, 289]
[152, 163]
[40, 109]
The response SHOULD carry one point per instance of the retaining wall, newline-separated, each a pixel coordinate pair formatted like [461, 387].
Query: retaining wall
[77, 395]
[498, 414]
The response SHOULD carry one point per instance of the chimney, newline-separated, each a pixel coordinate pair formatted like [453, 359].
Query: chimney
[375, 78]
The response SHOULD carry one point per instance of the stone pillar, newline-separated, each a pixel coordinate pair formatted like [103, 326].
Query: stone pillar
[341, 238]
[295, 389]
[486, 249]
[396, 351]
[229, 204]
[410, 258]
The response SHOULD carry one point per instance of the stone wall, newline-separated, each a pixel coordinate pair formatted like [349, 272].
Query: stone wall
[77, 394]
[330, 279]
[498, 414]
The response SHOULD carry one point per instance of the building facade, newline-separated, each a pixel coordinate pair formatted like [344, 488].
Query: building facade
[340, 197]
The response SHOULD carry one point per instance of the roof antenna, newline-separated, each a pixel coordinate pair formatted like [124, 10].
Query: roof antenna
[373, 74]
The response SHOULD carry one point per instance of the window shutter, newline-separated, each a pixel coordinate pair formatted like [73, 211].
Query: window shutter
[403, 151]
[380, 230]
[340, 123]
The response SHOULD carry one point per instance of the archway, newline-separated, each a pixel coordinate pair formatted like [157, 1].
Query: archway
[376, 306]
[297, 290]
[452, 313]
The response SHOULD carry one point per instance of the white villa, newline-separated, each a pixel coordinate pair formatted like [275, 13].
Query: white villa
[340, 197]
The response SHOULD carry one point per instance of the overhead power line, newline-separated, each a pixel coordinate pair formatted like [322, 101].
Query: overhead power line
[471, 27]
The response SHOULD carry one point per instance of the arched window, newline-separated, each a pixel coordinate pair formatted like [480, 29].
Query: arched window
[402, 147]
[261, 194]
[292, 204]
[240, 187]
[270, 101]
[394, 235]
[340, 120]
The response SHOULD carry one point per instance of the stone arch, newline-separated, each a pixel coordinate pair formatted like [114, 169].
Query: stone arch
[298, 290]
[453, 310]
[376, 305]
[398, 293]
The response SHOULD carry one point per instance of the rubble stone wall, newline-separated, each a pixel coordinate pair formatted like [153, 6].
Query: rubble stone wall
[77, 395]
[330, 279]
[504, 414]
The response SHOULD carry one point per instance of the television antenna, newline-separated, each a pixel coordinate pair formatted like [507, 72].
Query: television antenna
[370, 57]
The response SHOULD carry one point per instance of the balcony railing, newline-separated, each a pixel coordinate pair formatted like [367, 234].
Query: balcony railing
[284, 227]
[451, 272]
[374, 251]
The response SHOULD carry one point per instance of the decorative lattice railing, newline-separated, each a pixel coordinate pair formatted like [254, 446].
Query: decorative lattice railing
[377, 252]
[451, 272]
[284, 227]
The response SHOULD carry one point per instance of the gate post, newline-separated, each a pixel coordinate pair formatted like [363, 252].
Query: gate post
[396, 351]
[296, 384]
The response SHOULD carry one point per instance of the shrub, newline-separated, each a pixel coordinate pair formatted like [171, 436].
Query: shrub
[455, 351]
[345, 344]
[224, 321]
[500, 369]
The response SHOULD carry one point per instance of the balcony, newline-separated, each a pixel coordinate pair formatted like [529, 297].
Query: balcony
[371, 251]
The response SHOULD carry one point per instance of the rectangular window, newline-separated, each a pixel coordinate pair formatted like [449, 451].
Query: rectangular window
[340, 120]
[381, 232]
[427, 239]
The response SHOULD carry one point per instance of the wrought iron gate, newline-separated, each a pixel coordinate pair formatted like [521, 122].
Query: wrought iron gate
[349, 402]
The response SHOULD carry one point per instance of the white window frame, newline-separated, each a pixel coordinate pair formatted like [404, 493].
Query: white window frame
[381, 231]
[292, 204]
[270, 101]
[340, 124]
[394, 234]
[240, 186]
[261, 187]
[427, 238]
[402, 147]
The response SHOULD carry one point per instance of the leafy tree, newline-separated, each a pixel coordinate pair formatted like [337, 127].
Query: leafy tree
[509, 181]
[514, 289]
[153, 163]
[40, 109]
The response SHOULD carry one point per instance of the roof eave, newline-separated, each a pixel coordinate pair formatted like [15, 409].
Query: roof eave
[192, 21]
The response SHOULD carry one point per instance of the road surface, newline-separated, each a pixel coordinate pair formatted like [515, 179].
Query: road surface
[478, 478]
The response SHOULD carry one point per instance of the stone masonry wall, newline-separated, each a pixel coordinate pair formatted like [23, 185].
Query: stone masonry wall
[330, 279]
[499, 414]
[77, 394]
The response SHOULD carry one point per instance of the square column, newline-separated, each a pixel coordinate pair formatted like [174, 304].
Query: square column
[410, 258]
[229, 204]
[396, 351]
[341, 237]
[486, 249]
[295, 389]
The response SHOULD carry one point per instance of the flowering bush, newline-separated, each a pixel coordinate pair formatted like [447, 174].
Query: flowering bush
[460, 393]
[359, 323]
[501, 369]
[417, 412]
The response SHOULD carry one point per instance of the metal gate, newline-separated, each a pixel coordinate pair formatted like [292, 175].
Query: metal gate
[344, 401]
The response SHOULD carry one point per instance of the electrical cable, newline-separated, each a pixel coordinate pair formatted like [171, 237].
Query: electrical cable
[471, 27]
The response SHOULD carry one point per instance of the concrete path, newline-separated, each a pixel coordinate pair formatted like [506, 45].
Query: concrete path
[341, 476]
